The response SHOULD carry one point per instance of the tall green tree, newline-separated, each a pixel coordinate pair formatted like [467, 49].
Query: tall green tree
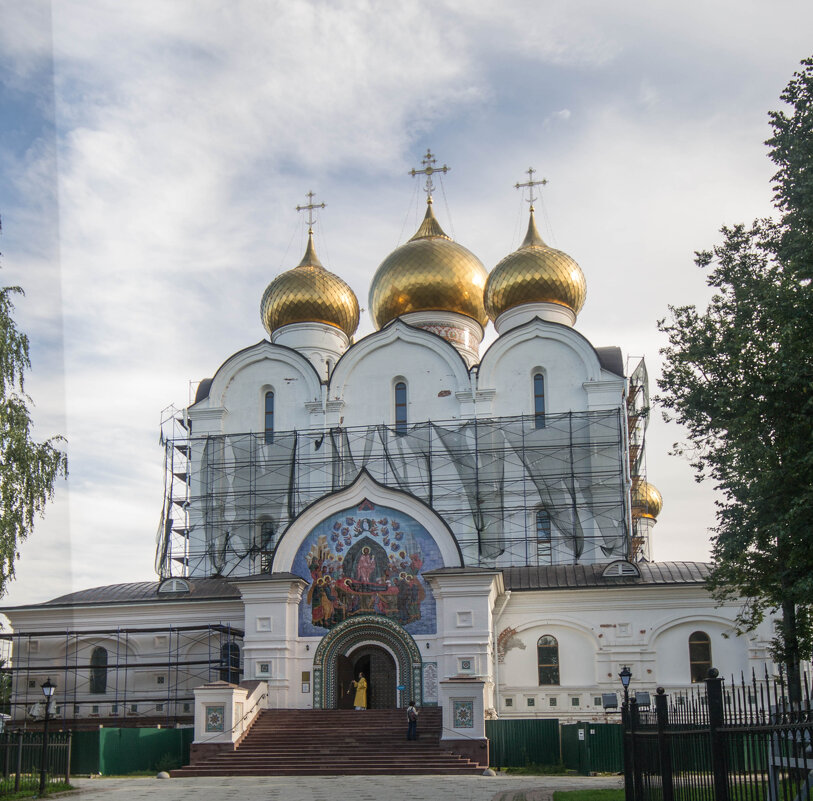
[28, 469]
[739, 377]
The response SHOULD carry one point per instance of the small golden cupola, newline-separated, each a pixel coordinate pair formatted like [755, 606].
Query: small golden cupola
[646, 500]
[534, 281]
[310, 309]
[433, 282]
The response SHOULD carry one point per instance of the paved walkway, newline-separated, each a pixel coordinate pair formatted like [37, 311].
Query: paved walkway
[336, 788]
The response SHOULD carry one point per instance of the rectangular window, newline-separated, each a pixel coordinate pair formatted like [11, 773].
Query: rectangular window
[596, 700]
[159, 707]
[552, 702]
[530, 701]
[575, 701]
[539, 401]
[77, 709]
[133, 708]
[509, 701]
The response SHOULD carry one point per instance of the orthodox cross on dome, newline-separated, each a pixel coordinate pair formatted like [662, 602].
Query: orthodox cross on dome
[309, 207]
[428, 170]
[529, 185]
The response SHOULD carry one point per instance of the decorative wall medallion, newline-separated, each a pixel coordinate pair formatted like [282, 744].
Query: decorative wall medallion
[367, 560]
[215, 718]
[463, 714]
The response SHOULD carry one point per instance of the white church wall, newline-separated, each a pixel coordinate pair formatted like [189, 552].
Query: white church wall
[729, 653]
[364, 378]
[600, 630]
[564, 357]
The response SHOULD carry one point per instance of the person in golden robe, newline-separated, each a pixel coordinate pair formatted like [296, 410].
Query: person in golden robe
[360, 701]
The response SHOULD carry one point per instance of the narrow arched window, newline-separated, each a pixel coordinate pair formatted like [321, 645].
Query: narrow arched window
[547, 655]
[543, 537]
[400, 408]
[230, 662]
[98, 671]
[539, 400]
[699, 655]
[269, 418]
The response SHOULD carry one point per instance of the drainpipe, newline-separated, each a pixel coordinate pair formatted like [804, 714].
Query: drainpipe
[497, 617]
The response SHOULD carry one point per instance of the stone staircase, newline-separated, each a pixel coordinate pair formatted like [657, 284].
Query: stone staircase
[301, 742]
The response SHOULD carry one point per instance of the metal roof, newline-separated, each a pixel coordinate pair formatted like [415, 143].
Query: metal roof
[144, 592]
[569, 577]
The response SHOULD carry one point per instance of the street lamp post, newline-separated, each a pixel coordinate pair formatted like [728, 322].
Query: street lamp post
[629, 792]
[48, 692]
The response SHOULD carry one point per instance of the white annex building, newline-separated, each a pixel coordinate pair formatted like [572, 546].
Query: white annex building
[469, 527]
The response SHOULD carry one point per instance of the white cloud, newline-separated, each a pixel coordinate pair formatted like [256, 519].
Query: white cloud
[188, 131]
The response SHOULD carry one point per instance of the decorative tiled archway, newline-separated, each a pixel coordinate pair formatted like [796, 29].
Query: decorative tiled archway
[353, 632]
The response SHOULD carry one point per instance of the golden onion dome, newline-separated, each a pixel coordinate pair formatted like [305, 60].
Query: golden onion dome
[430, 272]
[535, 273]
[646, 500]
[309, 294]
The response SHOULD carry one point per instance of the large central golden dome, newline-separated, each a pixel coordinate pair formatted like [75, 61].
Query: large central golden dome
[535, 273]
[428, 273]
[309, 294]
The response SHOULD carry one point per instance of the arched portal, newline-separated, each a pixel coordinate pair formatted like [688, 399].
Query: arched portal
[385, 648]
[379, 669]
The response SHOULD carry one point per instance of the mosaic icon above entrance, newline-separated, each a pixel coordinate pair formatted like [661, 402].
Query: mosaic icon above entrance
[367, 560]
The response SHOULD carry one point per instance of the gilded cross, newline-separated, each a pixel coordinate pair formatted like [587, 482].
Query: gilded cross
[309, 207]
[428, 170]
[530, 184]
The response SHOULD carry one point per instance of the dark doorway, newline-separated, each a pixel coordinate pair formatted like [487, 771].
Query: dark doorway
[344, 677]
[379, 668]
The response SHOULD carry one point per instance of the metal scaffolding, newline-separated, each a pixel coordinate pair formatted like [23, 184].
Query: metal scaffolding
[120, 687]
[230, 497]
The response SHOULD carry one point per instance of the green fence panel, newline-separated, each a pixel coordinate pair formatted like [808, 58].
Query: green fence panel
[517, 743]
[129, 750]
[593, 747]
[85, 752]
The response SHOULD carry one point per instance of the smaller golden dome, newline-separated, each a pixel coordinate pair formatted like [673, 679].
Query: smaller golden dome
[646, 500]
[309, 294]
[429, 273]
[535, 273]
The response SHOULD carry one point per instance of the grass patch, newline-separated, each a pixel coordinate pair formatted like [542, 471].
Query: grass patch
[537, 770]
[615, 794]
[33, 792]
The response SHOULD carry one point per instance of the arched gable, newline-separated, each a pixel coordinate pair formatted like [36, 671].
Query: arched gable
[365, 487]
[498, 354]
[264, 351]
[385, 341]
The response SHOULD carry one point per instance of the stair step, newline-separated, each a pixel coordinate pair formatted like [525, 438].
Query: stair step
[297, 742]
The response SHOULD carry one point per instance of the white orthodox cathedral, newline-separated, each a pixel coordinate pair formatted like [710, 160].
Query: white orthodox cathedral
[470, 528]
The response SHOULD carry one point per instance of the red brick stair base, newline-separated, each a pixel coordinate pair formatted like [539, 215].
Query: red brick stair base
[301, 742]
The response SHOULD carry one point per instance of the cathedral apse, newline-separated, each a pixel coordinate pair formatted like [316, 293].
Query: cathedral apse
[367, 560]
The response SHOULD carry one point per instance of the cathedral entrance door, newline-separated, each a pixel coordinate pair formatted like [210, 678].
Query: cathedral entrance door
[378, 666]
[344, 678]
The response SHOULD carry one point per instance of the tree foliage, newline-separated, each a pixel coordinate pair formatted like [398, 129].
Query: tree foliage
[739, 377]
[28, 469]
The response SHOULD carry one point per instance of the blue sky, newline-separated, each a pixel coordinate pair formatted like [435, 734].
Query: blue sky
[152, 155]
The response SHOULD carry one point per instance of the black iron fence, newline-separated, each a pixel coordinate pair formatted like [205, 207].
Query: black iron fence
[742, 742]
[21, 760]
